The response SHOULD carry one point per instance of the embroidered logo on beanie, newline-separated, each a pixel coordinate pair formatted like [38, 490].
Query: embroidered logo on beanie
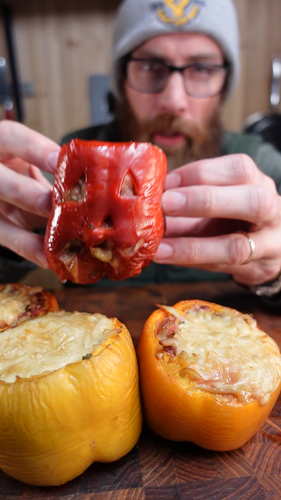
[177, 12]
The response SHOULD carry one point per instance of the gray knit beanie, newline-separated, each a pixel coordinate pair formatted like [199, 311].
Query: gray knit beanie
[139, 20]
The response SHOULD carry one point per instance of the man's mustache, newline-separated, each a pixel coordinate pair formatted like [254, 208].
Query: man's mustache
[172, 125]
[202, 140]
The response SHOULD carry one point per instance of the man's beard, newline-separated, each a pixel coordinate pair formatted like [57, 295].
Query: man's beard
[200, 142]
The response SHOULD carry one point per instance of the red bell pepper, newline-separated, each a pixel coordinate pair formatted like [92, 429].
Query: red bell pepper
[107, 218]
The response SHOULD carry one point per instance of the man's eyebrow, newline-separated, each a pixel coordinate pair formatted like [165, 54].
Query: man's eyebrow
[190, 58]
[208, 57]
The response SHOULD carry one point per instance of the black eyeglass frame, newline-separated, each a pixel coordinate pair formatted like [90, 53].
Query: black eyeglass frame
[180, 69]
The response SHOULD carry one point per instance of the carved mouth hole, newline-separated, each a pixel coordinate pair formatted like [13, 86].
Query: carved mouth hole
[103, 251]
[77, 192]
[127, 187]
[73, 247]
[69, 256]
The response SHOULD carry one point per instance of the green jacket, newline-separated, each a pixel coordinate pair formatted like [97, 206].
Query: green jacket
[266, 157]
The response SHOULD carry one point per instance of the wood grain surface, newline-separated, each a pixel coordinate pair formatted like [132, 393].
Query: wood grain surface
[156, 468]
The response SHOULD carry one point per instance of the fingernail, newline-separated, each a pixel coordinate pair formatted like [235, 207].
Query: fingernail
[173, 180]
[52, 160]
[45, 203]
[164, 251]
[173, 201]
[41, 259]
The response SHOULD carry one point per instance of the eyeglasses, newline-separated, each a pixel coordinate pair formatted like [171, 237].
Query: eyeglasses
[150, 76]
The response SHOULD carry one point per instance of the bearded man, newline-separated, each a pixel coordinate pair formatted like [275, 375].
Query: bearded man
[175, 63]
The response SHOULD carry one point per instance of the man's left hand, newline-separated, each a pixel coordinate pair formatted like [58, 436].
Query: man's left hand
[209, 205]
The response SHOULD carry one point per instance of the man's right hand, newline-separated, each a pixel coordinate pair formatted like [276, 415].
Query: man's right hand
[25, 194]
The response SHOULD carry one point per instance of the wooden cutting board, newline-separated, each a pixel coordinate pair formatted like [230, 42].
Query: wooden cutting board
[157, 469]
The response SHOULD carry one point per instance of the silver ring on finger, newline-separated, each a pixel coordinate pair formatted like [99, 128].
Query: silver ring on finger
[252, 248]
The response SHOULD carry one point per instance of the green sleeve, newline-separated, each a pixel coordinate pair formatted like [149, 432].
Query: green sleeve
[265, 155]
[268, 160]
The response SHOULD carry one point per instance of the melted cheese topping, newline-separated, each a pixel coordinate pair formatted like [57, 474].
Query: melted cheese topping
[12, 304]
[50, 342]
[223, 353]
[10, 310]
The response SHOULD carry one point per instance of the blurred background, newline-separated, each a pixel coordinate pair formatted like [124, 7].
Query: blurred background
[57, 56]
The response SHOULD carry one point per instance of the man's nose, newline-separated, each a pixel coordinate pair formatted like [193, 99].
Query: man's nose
[174, 98]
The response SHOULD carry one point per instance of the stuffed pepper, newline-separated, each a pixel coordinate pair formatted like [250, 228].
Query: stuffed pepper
[106, 219]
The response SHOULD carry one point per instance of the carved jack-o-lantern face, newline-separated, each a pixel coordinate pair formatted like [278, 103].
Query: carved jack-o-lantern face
[107, 218]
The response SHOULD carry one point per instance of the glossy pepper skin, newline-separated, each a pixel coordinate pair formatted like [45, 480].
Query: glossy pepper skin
[106, 218]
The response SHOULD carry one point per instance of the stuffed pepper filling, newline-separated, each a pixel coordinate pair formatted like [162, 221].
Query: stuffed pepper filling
[220, 352]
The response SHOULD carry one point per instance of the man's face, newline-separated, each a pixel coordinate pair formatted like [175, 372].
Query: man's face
[186, 128]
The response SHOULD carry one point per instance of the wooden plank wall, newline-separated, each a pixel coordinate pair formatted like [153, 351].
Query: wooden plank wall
[60, 44]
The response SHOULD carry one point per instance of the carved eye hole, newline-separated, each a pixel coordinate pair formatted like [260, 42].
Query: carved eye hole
[77, 192]
[127, 188]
